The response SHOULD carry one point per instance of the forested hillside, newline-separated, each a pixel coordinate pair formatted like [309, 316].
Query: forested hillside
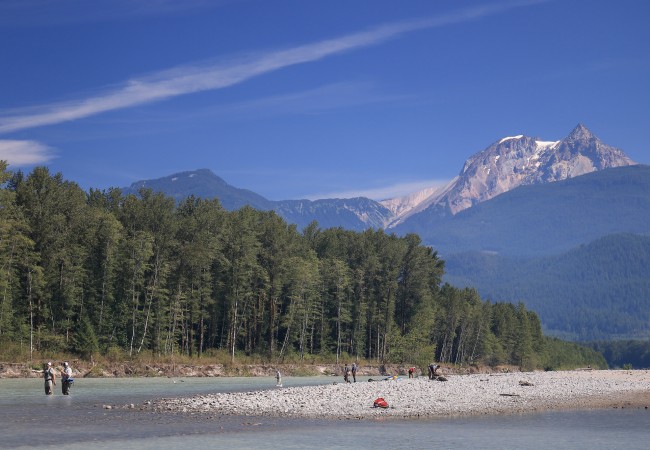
[624, 354]
[597, 291]
[102, 272]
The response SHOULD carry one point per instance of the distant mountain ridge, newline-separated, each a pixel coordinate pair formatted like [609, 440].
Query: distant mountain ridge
[506, 164]
[543, 219]
[509, 163]
[532, 219]
[205, 184]
[355, 214]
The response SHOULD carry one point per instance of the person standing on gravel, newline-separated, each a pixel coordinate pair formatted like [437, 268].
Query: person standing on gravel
[278, 378]
[432, 371]
[354, 372]
[346, 373]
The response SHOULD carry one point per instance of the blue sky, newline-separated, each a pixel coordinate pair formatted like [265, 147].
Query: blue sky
[312, 99]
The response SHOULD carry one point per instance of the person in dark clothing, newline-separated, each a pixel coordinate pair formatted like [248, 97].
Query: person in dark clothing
[354, 372]
[433, 371]
[346, 373]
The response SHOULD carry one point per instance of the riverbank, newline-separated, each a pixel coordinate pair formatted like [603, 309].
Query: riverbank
[84, 369]
[460, 395]
[123, 369]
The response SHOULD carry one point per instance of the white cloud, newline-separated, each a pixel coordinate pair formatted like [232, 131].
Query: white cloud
[313, 101]
[187, 80]
[24, 153]
[384, 192]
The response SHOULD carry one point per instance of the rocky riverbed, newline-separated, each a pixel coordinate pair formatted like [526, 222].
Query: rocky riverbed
[475, 394]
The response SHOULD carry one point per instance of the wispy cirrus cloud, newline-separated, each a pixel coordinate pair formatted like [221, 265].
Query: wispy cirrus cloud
[24, 153]
[192, 79]
[318, 100]
[384, 192]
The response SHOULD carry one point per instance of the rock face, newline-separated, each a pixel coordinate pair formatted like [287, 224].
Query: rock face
[355, 214]
[522, 160]
[515, 161]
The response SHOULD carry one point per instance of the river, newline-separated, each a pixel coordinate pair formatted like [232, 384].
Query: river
[30, 419]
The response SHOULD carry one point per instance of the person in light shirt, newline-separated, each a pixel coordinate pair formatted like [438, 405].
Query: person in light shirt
[66, 378]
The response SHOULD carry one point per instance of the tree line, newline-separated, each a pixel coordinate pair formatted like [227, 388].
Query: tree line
[634, 354]
[95, 271]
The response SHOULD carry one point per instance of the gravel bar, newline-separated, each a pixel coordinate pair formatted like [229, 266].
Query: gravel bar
[460, 395]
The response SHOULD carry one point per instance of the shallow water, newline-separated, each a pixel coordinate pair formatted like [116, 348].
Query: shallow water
[28, 418]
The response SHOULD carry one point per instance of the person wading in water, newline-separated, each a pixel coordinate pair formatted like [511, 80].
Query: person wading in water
[50, 378]
[66, 379]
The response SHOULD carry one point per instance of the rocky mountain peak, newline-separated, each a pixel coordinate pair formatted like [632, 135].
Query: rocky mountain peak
[519, 160]
[581, 133]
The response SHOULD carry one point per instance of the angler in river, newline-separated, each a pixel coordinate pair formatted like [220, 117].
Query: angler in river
[49, 376]
[66, 379]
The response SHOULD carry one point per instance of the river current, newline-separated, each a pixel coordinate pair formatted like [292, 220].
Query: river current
[30, 419]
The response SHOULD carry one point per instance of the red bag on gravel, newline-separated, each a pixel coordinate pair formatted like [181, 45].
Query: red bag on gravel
[380, 403]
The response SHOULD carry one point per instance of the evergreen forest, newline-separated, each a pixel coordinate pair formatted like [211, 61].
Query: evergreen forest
[100, 272]
[595, 292]
[624, 354]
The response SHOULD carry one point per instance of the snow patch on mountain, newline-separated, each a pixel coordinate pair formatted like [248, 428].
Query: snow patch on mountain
[519, 136]
[398, 205]
[404, 207]
[544, 145]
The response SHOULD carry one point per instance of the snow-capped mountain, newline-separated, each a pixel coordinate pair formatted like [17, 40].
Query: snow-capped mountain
[508, 163]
